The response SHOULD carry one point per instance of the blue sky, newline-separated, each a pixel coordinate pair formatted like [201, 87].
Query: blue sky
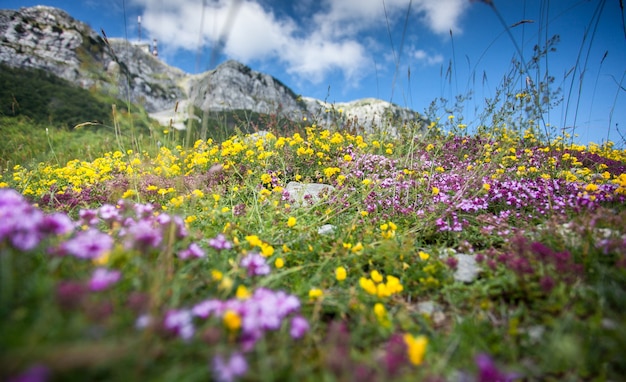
[341, 50]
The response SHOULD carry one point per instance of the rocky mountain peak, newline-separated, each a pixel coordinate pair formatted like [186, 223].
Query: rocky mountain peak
[49, 38]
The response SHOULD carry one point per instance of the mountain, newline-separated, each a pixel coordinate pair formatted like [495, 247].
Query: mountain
[48, 38]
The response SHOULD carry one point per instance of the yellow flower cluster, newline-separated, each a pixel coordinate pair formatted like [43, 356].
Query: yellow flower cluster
[376, 287]
[388, 230]
[266, 249]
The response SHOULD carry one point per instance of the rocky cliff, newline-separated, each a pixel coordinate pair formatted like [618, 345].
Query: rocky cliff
[50, 39]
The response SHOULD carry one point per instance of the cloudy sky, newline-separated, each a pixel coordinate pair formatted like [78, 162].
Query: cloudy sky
[407, 52]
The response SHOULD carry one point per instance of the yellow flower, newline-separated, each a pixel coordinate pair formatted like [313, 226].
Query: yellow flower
[416, 348]
[279, 263]
[315, 293]
[254, 241]
[347, 158]
[340, 273]
[424, 255]
[368, 285]
[266, 178]
[435, 191]
[358, 247]
[366, 181]
[381, 315]
[267, 250]
[291, 221]
[242, 292]
[216, 275]
[486, 186]
[232, 320]
[376, 276]
[197, 193]
[128, 194]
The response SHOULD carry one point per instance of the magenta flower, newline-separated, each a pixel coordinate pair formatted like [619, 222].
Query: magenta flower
[229, 370]
[89, 244]
[194, 250]
[103, 278]
[255, 264]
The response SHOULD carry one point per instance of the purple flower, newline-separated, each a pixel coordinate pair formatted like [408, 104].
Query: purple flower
[103, 278]
[89, 244]
[180, 323]
[89, 217]
[36, 373]
[255, 264]
[219, 242]
[229, 370]
[70, 294]
[20, 221]
[489, 372]
[165, 220]
[207, 307]
[143, 210]
[57, 224]
[108, 212]
[299, 327]
[395, 354]
[194, 250]
[143, 234]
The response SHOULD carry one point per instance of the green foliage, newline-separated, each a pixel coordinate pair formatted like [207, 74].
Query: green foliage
[48, 99]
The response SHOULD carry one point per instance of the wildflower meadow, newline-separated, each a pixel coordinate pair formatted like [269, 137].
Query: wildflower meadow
[407, 251]
[201, 262]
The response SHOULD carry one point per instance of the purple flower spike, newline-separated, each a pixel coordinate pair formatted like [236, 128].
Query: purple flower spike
[299, 327]
[194, 250]
[89, 244]
[229, 370]
[219, 242]
[103, 278]
[255, 264]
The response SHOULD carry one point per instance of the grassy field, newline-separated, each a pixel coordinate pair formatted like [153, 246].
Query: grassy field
[192, 263]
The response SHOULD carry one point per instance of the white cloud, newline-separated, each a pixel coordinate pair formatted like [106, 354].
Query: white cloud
[329, 40]
[426, 58]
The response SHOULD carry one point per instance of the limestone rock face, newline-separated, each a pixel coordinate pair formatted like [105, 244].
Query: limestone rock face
[48, 38]
[233, 85]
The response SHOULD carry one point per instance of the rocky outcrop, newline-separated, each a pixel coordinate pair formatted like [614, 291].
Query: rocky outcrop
[233, 85]
[366, 113]
[48, 38]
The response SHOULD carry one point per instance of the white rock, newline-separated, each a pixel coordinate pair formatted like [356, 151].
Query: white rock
[307, 193]
[326, 229]
[467, 269]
